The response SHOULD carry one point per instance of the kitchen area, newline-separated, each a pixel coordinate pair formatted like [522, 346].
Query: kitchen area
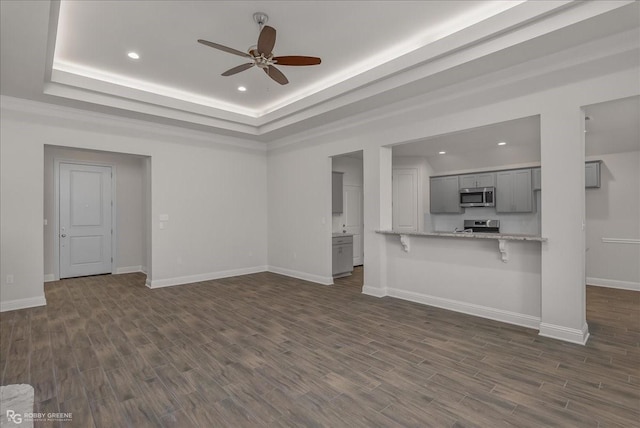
[482, 183]
[489, 173]
[467, 228]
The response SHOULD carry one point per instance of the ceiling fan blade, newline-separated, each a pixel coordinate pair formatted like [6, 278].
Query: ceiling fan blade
[238, 69]
[297, 60]
[276, 75]
[266, 40]
[224, 48]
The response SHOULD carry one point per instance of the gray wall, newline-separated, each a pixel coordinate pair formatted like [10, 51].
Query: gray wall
[130, 191]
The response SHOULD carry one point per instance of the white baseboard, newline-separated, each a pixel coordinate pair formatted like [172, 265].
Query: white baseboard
[374, 291]
[49, 277]
[31, 302]
[143, 269]
[324, 280]
[128, 269]
[468, 308]
[169, 282]
[567, 334]
[614, 283]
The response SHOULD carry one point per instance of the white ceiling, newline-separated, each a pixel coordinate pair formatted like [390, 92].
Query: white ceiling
[516, 133]
[374, 53]
[613, 127]
[477, 148]
[351, 37]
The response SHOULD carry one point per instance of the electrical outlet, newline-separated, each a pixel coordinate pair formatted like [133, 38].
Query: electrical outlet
[9, 279]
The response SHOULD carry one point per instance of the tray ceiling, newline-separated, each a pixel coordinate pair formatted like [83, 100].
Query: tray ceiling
[351, 37]
[373, 54]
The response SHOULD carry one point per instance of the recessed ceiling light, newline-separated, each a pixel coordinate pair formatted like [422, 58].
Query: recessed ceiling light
[242, 88]
[442, 152]
[133, 55]
[502, 143]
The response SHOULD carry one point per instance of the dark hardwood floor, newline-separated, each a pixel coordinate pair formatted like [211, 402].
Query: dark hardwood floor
[267, 350]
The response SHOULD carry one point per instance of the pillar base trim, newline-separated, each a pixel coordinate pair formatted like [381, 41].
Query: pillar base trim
[573, 335]
[374, 291]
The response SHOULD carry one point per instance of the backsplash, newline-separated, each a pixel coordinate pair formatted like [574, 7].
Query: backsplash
[521, 223]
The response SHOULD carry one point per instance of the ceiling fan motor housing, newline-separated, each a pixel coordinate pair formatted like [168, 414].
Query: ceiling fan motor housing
[262, 55]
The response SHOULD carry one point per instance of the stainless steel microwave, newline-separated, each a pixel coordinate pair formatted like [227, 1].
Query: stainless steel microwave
[478, 197]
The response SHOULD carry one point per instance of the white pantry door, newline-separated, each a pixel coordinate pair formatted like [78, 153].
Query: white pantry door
[405, 199]
[353, 220]
[85, 220]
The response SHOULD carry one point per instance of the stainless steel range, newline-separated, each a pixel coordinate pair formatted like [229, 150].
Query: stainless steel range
[486, 226]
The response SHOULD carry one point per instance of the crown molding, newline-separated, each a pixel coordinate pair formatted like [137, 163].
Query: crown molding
[37, 109]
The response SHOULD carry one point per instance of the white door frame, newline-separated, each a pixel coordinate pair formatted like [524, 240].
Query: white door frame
[56, 210]
[361, 220]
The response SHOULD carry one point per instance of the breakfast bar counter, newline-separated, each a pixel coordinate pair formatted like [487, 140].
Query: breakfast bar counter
[502, 238]
[472, 235]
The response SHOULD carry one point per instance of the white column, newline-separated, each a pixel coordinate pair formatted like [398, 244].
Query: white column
[563, 309]
[377, 215]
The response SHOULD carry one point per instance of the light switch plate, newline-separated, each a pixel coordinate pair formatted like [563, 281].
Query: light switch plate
[164, 217]
[161, 225]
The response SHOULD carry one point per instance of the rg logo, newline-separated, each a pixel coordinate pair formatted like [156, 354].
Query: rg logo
[16, 418]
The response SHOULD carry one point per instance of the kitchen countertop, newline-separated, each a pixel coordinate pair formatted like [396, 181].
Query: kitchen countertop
[499, 236]
[338, 235]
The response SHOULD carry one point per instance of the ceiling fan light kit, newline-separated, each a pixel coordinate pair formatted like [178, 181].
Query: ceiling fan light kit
[261, 18]
[261, 55]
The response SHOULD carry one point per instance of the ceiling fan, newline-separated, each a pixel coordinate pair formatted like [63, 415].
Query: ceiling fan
[261, 55]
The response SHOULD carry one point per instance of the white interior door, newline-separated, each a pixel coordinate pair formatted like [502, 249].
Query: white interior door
[353, 222]
[405, 199]
[85, 220]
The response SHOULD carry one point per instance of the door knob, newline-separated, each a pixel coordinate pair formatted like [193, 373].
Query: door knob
[64, 235]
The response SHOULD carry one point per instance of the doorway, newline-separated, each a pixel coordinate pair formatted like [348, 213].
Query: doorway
[87, 177]
[349, 221]
[612, 189]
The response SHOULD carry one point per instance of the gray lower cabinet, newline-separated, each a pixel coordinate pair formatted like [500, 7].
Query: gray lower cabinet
[336, 192]
[514, 192]
[592, 174]
[342, 255]
[444, 196]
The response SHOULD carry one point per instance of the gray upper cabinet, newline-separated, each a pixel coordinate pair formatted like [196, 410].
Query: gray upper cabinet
[537, 178]
[592, 174]
[444, 195]
[483, 179]
[336, 192]
[514, 192]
